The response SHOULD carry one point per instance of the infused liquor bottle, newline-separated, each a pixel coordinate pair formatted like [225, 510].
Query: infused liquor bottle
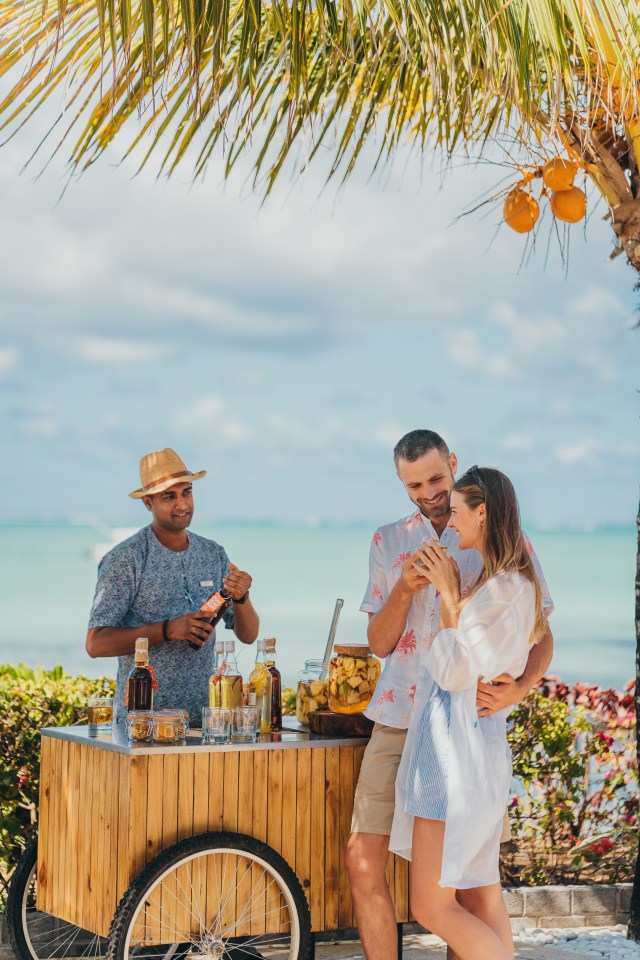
[217, 605]
[215, 687]
[230, 679]
[139, 694]
[274, 701]
[260, 687]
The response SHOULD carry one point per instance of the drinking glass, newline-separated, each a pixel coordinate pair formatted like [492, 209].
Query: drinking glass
[99, 715]
[216, 724]
[245, 723]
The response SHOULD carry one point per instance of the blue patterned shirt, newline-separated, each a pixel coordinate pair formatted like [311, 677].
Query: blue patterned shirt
[141, 582]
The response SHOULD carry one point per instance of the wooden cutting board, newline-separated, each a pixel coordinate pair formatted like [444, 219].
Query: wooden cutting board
[340, 724]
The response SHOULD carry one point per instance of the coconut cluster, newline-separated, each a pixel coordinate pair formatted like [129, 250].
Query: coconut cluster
[567, 202]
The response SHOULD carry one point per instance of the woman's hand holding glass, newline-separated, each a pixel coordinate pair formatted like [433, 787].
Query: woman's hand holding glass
[442, 571]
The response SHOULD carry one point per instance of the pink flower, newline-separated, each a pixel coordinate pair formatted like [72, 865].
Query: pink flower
[400, 559]
[386, 696]
[376, 592]
[407, 642]
[22, 776]
[377, 538]
[412, 692]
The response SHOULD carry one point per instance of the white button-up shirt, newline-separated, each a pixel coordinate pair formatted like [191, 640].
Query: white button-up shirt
[391, 545]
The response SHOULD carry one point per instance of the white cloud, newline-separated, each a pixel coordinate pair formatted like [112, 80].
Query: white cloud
[580, 451]
[40, 427]
[107, 350]
[208, 418]
[517, 441]
[8, 360]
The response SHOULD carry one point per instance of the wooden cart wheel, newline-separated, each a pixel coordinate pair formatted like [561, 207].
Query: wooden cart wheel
[216, 896]
[39, 936]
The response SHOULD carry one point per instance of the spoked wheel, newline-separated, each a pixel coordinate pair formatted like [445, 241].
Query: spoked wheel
[39, 936]
[217, 896]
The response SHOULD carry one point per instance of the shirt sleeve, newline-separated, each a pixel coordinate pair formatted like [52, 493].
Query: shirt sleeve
[547, 602]
[115, 590]
[460, 656]
[377, 591]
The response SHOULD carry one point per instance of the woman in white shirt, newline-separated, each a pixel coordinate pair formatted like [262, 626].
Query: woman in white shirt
[454, 778]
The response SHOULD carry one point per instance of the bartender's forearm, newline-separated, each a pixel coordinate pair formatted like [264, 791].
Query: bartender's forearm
[246, 622]
[120, 641]
[538, 663]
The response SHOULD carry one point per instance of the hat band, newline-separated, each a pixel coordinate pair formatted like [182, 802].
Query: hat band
[170, 476]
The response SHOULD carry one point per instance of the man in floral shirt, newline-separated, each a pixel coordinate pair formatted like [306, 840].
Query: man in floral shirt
[403, 619]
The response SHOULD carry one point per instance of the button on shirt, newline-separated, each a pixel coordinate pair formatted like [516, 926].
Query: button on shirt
[140, 582]
[390, 547]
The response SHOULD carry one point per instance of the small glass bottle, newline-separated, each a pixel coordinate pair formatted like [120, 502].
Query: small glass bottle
[139, 693]
[272, 705]
[312, 693]
[215, 687]
[230, 680]
[260, 682]
[216, 605]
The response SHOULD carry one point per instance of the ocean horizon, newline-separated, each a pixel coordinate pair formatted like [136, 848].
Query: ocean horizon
[48, 570]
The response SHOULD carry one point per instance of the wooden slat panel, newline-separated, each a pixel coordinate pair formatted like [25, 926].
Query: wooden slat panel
[274, 835]
[124, 820]
[289, 805]
[169, 837]
[332, 850]
[201, 793]
[260, 820]
[318, 786]
[136, 848]
[154, 805]
[345, 788]
[44, 811]
[230, 798]
[401, 893]
[99, 842]
[111, 838]
[303, 820]
[216, 790]
[245, 825]
[186, 784]
[86, 852]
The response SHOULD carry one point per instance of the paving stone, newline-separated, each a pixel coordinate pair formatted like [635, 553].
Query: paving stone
[624, 897]
[591, 920]
[514, 899]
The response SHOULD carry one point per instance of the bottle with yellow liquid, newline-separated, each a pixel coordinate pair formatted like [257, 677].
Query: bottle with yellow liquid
[260, 686]
[230, 679]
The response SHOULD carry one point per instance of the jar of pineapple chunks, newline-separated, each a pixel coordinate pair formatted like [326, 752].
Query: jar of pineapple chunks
[353, 675]
[312, 692]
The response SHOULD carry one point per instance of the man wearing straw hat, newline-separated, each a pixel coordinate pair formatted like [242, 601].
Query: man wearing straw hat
[153, 585]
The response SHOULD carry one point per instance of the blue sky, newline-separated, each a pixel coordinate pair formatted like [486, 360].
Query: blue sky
[285, 347]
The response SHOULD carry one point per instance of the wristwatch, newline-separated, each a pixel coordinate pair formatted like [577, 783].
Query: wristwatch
[242, 599]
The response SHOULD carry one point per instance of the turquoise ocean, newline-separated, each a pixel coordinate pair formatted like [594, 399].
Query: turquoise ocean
[48, 570]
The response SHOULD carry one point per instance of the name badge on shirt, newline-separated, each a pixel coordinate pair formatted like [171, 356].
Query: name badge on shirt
[206, 583]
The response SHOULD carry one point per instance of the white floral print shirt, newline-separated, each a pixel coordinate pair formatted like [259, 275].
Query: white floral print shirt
[390, 547]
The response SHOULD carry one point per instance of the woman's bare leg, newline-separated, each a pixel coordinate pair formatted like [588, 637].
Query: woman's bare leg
[437, 908]
[487, 904]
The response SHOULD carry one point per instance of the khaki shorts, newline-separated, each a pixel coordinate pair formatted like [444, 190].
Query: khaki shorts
[375, 797]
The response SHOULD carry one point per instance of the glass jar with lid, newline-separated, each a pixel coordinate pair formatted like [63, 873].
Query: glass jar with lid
[353, 675]
[170, 725]
[139, 724]
[312, 693]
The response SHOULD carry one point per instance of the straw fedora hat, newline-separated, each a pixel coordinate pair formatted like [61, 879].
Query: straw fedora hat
[160, 470]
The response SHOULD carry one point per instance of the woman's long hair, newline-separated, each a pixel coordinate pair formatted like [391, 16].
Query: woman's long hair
[505, 547]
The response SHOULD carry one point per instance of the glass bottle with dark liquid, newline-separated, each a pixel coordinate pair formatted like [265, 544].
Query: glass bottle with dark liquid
[273, 703]
[217, 605]
[139, 694]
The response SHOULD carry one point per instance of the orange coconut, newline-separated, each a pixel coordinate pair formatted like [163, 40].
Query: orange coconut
[568, 205]
[520, 211]
[559, 174]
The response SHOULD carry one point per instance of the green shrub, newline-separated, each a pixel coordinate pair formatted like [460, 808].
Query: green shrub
[31, 699]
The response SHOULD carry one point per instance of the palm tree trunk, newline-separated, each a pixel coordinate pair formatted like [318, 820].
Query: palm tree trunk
[626, 226]
[634, 916]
